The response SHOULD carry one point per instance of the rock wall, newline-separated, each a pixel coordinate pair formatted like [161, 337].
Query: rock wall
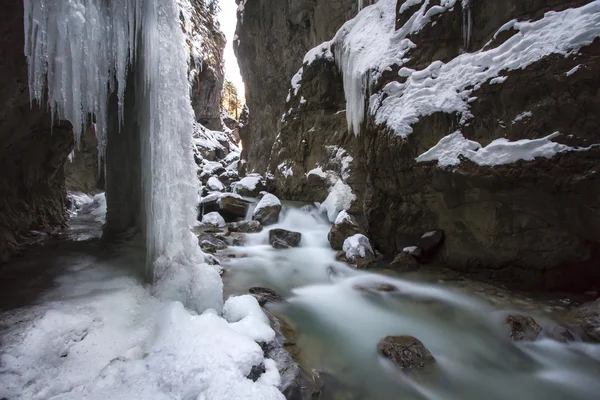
[207, 73]
[272, 38]
[32, 152]
[532, 223]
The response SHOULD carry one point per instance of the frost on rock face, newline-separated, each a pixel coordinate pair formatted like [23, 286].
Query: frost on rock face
[78, 52]
[500, 151]
[441, 87]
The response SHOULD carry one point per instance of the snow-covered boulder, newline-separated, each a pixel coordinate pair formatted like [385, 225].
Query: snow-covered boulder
[214, 219]
[231, 206]
[215, 184]
[250, 185]
[343, 227]
[267, 210]
[358, 251]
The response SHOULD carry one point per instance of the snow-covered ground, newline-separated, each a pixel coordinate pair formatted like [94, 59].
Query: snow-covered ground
[101, 334]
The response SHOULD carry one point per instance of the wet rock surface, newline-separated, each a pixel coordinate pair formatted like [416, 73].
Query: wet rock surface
[284, 239]
[210, 243]
[404, 262]
[522, 327]
[265, 295]
[406, 352]
[245, 226]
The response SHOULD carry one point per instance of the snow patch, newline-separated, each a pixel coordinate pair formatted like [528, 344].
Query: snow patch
[522, 116]
[340, 198]
[501, 151]
[357, 246]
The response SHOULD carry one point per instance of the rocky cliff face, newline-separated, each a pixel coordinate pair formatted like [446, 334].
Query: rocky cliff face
[450, 107]
[207, 43]
[32, 152]
[272, 38]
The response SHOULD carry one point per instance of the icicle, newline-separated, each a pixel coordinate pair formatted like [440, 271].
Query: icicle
[467, 24]
[78, 52]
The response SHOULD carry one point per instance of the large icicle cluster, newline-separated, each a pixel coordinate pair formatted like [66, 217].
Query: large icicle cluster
[81, 51]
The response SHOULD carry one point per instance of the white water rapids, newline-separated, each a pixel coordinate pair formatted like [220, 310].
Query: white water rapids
[341, 326]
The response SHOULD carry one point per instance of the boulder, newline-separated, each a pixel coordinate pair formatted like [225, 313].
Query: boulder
[343, 227]
[213, 219]
[430, 242]
[211, 243]
[266, 295]
[231, 207]
[404, 262]
[358, 251]
[283, 239]
[267, 210]
[244, 226]
[406, 352]
[522, 327]
[250, 185]
[215, 184]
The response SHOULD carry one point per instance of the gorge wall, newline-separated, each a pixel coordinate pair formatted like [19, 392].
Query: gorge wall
[33, 149]
[34, 169]
[438, 81]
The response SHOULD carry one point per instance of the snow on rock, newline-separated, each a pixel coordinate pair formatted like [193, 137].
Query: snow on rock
[215, 184]
[357, 247]
[246, 316]
[78, 200]
[210, 167]
[573, 70]
[285, 169]
[318, 171]
[522, 116]
[268, 200]
[342, 217]
[214, 219]
[441, 87]
[248, 183]
[98, 207]
[500, 151]
[340, 198]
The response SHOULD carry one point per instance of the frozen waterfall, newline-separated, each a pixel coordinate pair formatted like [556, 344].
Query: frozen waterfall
[78, 53]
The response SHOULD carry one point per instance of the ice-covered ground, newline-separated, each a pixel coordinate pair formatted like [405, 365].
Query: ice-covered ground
[101, 334]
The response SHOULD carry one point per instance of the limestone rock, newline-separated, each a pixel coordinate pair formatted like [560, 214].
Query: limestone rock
[522, 327]
[283, 239]
[407, 352]
[267, 210]
[244, 227]
[343, 227]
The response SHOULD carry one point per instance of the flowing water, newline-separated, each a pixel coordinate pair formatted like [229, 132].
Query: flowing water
[339, 327]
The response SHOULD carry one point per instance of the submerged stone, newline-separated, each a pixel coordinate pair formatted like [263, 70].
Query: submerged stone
[407, 352]
[522, 327]
[266, 295]
[245, 227]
